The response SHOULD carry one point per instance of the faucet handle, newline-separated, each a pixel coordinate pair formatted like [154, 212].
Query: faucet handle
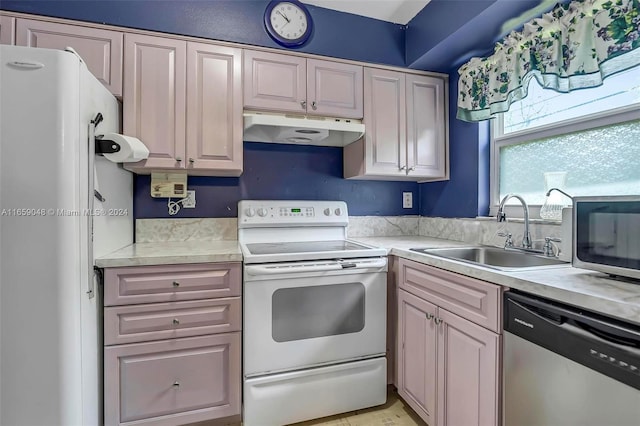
[508, 242]
[547, 249]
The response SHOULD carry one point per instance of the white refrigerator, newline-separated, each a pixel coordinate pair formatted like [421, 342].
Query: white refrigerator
[52, 227]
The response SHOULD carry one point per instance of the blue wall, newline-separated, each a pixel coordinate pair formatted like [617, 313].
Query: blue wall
[466, 194]
[443, 35]
[288, 172]
[336, 34]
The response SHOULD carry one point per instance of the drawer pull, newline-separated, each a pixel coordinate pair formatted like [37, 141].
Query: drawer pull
[176, 321]
[176, 384]
[176, 284]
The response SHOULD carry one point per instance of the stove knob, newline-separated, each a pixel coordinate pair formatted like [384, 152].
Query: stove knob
[338, 212]
[250, 212]
[262, 212]
[327, 212]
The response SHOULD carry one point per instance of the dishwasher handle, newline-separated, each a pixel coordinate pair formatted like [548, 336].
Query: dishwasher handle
[597, 324]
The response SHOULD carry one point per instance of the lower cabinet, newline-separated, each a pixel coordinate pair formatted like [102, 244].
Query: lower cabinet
[448, 366]
[172, 338]
[173, 382]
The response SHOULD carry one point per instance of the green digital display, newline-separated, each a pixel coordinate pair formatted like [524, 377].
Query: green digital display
[295, 210]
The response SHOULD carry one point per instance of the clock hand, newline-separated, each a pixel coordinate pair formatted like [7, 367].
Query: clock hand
[284, 16]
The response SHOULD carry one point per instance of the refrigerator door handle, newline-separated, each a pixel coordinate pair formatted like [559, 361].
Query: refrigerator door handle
[91, 193]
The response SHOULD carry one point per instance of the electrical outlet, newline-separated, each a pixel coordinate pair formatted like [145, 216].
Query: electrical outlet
[407, 200]
[190, 200]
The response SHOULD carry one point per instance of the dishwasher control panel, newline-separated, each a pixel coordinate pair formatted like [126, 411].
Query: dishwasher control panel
[612, 360]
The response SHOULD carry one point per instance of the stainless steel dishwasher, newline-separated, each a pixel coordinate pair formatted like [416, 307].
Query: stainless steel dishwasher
[563, 366]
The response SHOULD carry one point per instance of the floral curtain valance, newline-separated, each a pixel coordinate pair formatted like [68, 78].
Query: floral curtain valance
[574, 46]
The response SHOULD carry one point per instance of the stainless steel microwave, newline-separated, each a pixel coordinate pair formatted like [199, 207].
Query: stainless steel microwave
[606, 234]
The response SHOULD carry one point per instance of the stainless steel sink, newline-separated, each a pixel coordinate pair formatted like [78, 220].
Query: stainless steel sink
[494, 257]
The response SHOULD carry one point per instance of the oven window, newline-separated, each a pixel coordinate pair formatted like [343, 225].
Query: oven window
[327, 310]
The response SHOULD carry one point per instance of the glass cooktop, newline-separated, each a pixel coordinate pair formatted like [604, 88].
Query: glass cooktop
[304, 247]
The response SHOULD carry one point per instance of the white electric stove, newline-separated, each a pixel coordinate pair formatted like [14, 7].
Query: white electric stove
[314, 313]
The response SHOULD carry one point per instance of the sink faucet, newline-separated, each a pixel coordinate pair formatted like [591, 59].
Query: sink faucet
[501, 216]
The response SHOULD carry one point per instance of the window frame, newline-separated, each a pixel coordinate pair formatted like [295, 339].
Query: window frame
[499, 140]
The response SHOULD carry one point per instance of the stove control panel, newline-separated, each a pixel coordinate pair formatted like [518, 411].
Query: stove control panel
[292, 213]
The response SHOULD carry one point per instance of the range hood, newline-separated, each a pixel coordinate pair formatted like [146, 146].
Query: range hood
[301, 130]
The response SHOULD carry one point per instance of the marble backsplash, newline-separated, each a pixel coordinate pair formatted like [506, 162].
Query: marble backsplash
[377, 226]
[205, 229]
[472, 231]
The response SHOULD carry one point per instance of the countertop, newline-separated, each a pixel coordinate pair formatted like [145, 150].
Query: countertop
[586, 289]
[579, 287]
[171, 253]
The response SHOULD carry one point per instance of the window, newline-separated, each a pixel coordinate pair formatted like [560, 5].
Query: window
[591, 134]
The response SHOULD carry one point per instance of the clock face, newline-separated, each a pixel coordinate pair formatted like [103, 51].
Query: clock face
[288, 22]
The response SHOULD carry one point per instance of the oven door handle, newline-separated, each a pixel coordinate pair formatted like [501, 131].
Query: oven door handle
[292, 268]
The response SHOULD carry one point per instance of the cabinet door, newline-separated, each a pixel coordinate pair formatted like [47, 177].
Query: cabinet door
[100, 49]
[417, 339]
[468, 373]
[7, 30]
[172, 382]
[334, 89]
[154, 98]
[426, 139]
[384, 118]
[214, 109]
[274, 82]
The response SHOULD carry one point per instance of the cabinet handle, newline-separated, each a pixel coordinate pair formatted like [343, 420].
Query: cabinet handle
[429, 316]
[410, 169]
[314, 105]
[178, 159]
[176, 284]
[176, 384]
[402, 168]
[438, 321]
[176, 321]
[303, 104]
[191, 160]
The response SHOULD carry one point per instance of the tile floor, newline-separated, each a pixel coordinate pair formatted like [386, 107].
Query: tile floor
[394, 413]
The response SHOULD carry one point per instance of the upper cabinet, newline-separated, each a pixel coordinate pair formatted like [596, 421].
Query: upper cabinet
[155, 98]
[7, 30]
[184, 101]
[275, 82]
[334, 89]
[286, 83]
[100, 49]
[426, 134]
[214, 109]
[405, 138]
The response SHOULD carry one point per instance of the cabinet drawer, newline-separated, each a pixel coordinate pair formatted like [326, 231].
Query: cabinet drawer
[157, 321]
[172, 382]
[475, 300]
[149, 284]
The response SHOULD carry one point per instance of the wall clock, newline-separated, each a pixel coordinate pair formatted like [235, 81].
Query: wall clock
[288, 22]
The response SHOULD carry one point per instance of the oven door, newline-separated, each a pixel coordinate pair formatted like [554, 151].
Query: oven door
[303, 314]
